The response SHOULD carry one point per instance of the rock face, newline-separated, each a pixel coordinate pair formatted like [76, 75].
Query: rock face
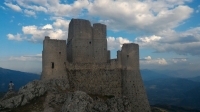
[30, 91]
[81, 102]
[77, 102]
[58, 97]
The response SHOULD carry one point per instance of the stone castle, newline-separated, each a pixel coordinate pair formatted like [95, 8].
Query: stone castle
[85, 63]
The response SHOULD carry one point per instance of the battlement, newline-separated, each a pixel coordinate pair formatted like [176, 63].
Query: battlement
[85, 63]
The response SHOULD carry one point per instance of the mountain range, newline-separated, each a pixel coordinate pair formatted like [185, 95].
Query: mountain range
[18, 78]
[167, 90]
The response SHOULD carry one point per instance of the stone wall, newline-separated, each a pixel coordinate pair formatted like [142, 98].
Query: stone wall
[99, 81]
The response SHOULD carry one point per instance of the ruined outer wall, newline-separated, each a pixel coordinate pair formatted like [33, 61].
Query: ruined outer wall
[79, 41]
[53, 59]
[132, 84]
[96, 81]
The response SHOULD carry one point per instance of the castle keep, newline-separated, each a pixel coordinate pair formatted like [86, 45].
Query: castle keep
[85, 63]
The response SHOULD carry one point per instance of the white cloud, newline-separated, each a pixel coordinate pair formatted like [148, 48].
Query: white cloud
[2, 7]
[156, 18]
[14, 7]
[48, 26]
[187, 42]
[61, 23]
[179, 60]
[148, 60]
[29, 13]
[37, 33]
[33, 5]
[55, 7]
[67, 9]
[14, 37]
[37, 57]
[39, 2]
[148, 39]
[132, 15]
[116, 43]
[118, 14]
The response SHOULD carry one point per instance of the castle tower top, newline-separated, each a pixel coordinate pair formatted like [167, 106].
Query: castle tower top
[79, 29]
[47, 37]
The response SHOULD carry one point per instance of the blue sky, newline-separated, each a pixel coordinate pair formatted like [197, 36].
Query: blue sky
[168, 31]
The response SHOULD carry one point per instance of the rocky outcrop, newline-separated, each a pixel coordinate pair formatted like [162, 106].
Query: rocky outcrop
[81, 102]
[32, 90]
[77, 102]
[58, 97]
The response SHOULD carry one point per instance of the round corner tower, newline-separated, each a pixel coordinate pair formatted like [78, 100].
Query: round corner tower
[132, 84]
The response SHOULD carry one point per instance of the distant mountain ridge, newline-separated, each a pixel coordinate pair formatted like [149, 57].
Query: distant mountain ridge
[181, 73]
[173, 91]
[18, 78]
[151, 75]
[196, 79]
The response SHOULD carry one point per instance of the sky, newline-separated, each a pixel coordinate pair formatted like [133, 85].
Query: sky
[167, 31]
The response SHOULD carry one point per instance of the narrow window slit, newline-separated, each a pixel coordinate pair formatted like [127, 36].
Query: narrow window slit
[52, 65]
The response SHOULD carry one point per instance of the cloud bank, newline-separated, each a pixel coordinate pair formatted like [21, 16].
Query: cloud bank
[155, 20]
[183, 43]
[36, 34]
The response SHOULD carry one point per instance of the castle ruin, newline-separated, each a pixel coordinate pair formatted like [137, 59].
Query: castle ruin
[85, 63]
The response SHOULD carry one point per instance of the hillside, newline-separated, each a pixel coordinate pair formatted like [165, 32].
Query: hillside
[173, 91]
[191, 98]
[170, 108]
[18, 78]
[196, 79]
